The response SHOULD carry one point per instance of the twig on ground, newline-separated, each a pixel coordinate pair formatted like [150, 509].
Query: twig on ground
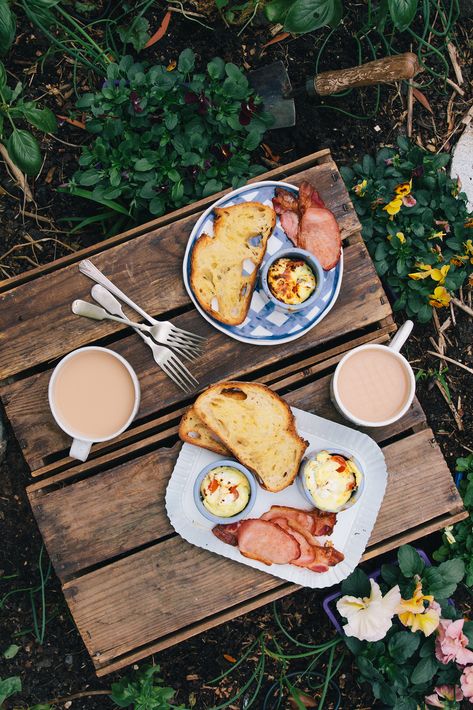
[451, 406]
[410, 105]
[76, 696]
[16, 174]
[449, 359]
[457, 88]
[452, 51]
[462, 305]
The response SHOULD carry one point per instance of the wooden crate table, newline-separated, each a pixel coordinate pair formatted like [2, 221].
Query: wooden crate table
[133, 586]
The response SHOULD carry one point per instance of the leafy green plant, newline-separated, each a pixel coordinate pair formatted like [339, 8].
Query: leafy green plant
[457, 541]
[415, 223]
[166, 138]
[143, 691]
[21, 145]
[8, 687]
[402, 667]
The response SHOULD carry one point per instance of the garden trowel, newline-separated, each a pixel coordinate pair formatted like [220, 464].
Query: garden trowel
[272, 83]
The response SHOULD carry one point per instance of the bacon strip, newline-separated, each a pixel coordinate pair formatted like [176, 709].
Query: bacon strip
[309, 224]
[315, 521]
[227, 533]
[265, 541]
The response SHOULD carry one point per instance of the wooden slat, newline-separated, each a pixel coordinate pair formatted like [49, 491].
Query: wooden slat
[279, 173]
[266, 598]
[148, 268]
[80, 531]
[359, 305]
[167, 583]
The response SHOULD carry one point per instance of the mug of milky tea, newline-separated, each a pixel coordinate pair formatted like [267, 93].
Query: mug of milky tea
[94, 395]
[374, 385]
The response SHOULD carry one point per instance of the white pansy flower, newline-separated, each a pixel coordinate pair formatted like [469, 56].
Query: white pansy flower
[370, 618]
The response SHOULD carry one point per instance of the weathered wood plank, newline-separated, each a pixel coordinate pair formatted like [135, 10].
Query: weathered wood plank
[148, 268]
[166, 583]
[165, 425]
[266, 598]
[80, 531]
[280, 173]
[361, 303]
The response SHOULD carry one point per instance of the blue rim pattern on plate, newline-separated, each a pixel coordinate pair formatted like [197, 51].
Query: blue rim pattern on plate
[264, 324]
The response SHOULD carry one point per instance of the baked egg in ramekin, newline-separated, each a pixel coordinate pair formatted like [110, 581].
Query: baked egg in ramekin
[292, 279]
[225, 491]
[331, 480]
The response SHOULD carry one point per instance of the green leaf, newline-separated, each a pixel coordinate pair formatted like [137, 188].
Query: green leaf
[186, 61]
[135, 34]
[171, 120]
[11, 651]
[308, 15]
[41, 118]
[157, 206]
[7, 27]
[442, 581]
[402, 645]
[3, 76]
[86, 194]
[211, 187]
[390, 574]
[89, 177]
[143, 164]
[216, 68]
[424, 670]
[402, 12]
[277, 10]
[405, 704]
[357, 584]
[8, 687]
[410, 562]
[252, 140]
[24, 150]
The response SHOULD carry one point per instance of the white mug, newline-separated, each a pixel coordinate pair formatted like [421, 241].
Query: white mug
[81, 444]
[394, 346]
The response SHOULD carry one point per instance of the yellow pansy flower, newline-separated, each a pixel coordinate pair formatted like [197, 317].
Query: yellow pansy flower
[394, 206]
[440, 298]
[418, 615]
[401, 237]
[360, 189]
[436, 274]
[403, 189]
[437, 235]
[458, 260]
[469, 248]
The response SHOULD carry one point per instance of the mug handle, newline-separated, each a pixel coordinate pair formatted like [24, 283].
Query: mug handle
[401, 336]
[80, 449]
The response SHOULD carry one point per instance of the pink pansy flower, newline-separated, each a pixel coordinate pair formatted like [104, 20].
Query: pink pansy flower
[409, 201]
[451, 643]
[441, 694]
[467, 683]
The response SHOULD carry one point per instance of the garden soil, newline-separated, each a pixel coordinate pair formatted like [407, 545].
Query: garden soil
[60, 667]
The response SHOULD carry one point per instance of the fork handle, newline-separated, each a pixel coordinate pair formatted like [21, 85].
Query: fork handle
[88, 269]
[89, 310]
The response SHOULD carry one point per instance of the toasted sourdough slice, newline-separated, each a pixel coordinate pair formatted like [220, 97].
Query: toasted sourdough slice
[193, 430]
[219, 272]
[257, 426]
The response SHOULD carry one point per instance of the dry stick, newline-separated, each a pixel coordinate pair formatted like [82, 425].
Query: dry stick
[16, 174]
[463, 306]
[76, 696]
[456, 87]
[451, 406]
[452, 51]
[410, 105]
[449, 359]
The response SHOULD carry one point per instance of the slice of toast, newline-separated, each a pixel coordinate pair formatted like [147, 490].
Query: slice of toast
[224, 267]
[193, 430]
[258, 427]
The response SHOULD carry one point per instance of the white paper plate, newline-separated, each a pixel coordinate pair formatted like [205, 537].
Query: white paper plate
[352, 530]
[264, 324]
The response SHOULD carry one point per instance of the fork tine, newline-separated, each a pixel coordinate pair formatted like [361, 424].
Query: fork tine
[177, 337]
[183, 371]
[185, 352]
[186, 333]
[175, 378]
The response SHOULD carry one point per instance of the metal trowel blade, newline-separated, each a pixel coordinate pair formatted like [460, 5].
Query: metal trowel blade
[272, 84]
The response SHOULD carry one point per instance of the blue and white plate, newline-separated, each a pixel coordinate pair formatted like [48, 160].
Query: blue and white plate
[264, 325]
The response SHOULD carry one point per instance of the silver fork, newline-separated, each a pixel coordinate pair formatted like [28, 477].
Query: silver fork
[189, 344]
[163, 356]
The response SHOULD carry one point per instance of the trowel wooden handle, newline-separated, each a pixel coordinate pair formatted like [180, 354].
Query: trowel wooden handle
[380, 71]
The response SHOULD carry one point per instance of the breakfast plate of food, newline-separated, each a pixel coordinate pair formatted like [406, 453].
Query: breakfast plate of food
[264, 263]
[273, 487]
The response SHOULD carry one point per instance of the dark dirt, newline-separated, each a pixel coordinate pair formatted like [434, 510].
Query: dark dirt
[61, 666]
